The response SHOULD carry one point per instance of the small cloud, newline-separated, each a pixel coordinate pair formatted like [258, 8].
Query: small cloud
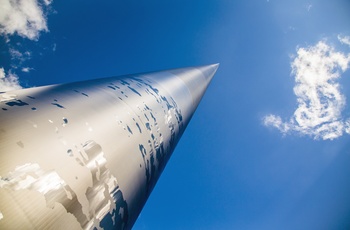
[316, 70]
[8, 82]
[276, 121]
[344, 40]
[48, 2]
[23, 17]
[54, 47]
[26, 69]
[17, 55]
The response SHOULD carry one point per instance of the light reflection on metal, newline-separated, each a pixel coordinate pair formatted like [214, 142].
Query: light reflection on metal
[87, 155]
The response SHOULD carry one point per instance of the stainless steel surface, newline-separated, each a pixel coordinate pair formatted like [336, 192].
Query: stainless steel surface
[87, 155]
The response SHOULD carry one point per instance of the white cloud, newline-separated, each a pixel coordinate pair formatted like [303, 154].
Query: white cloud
[26, 69]
[24, 17]
[276, 121]
[316, 70]
[344, 39]
[48, 2]
[8, 82]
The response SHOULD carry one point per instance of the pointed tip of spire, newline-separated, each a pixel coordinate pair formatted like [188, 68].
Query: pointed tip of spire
[216, 65]
[196, 79]
[209, 70]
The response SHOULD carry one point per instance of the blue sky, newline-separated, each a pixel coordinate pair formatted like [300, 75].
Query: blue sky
[268, 147]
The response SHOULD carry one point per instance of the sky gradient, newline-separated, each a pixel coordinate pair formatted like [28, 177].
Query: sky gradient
[268, 147]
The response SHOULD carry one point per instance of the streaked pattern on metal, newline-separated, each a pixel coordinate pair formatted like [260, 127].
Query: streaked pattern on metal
[87, 155]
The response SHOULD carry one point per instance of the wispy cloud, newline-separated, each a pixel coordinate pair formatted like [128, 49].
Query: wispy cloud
[8, 82]
[317, 70]
[17, 55]
[23, 17]
[344, 39]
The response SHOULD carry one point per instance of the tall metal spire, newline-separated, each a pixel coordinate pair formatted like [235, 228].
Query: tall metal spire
[87, 155]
